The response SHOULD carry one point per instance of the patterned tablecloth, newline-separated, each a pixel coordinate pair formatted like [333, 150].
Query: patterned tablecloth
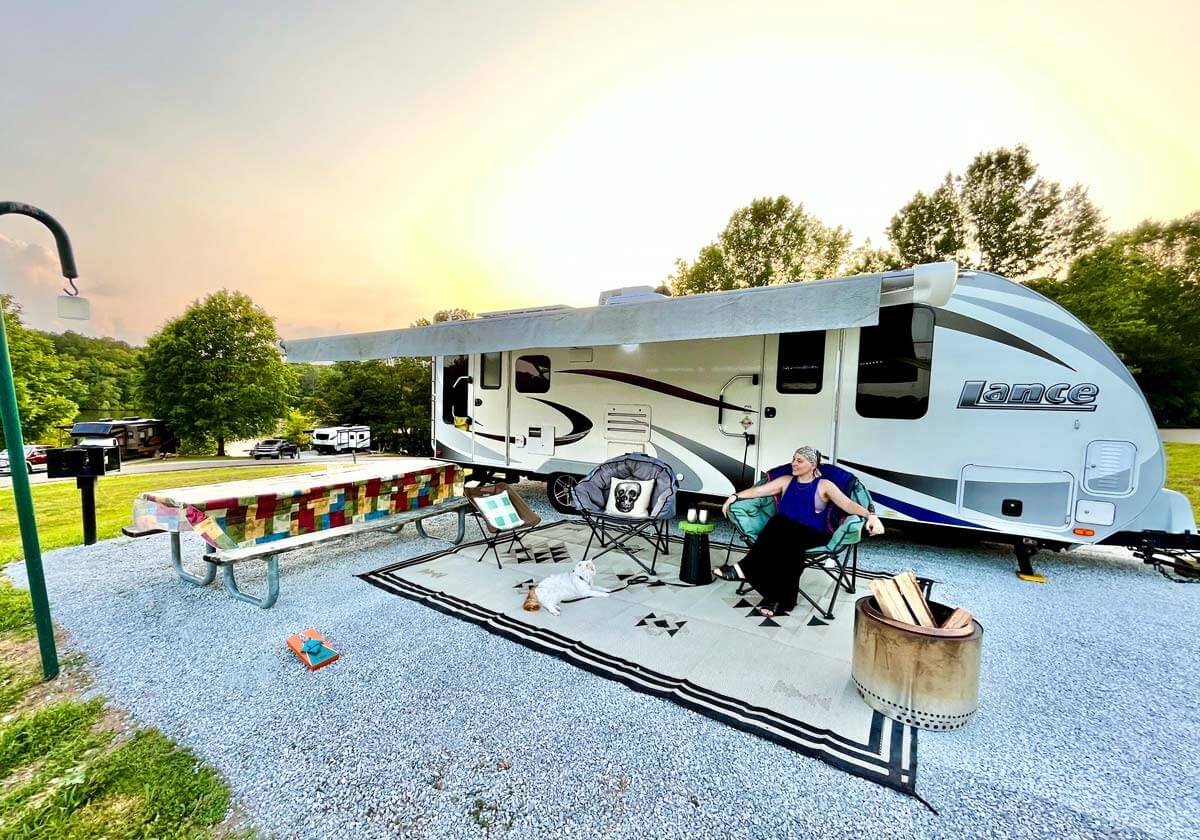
[237, 514]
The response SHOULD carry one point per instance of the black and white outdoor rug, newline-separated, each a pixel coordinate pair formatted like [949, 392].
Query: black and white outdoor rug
[785, 678]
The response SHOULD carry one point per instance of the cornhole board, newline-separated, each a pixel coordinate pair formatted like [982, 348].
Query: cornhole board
[312, 661]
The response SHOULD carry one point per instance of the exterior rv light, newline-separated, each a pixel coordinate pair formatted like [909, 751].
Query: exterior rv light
[1084, 532]
[630, 348]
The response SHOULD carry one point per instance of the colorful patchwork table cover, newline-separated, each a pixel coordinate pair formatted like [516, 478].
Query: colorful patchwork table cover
[238, 514]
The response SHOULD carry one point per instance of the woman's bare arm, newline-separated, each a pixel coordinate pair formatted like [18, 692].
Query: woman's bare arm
[771, 488]
[831, 493]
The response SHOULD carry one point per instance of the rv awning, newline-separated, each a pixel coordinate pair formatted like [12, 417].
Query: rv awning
[793, 307]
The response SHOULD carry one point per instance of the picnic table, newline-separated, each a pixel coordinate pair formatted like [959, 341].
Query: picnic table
[264, 517]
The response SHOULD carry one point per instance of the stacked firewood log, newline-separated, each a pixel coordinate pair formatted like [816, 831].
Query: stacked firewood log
[900, 599]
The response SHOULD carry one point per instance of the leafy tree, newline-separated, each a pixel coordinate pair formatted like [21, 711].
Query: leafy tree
[46, 391]
[867, 259]
[1174, 245]
[308, 381]
[391, 397]
[295, 428]
[930, 227]
[215, 371]
[1140, 293]
[1010, 210]
[1001, 216]
[455, 314]
[1075, 228]
[105, 367]
[413, 430]
[769, 241]
[707, 274]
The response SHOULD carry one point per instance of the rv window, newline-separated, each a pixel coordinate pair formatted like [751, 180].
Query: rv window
[454, 399]
[894, 363]
[489, 370]
[532, 374]
[801, 362]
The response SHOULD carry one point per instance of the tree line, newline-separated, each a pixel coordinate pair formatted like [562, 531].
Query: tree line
[1136, 289]
[214, 373]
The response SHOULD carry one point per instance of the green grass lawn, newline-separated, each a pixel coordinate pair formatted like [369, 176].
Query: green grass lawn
[72, 769]
[1183, 471]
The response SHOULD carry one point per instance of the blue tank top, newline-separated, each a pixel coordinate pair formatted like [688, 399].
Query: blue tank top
[799, 503]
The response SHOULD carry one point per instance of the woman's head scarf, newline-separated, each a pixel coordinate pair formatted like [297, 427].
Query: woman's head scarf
[810, 454]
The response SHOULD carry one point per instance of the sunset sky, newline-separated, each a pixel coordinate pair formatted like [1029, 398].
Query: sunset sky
[354, 166]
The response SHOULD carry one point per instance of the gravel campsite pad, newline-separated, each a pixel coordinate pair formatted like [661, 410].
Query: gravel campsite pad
[430, 726]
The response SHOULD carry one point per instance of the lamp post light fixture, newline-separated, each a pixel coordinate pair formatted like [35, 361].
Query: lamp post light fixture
[70, 305]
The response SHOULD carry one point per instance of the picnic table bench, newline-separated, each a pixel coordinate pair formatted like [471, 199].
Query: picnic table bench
[246, 520]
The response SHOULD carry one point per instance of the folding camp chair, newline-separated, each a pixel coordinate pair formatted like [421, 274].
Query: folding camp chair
[590, 497]
[838, 558]
[493, 535]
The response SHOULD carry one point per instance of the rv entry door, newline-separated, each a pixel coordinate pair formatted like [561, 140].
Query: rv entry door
[488, 408]
[798, 396]
[455, 399]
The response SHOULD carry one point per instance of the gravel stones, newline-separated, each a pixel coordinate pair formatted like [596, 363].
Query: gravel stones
[431, 727]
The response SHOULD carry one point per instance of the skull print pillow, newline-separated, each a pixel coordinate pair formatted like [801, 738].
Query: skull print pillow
[629, 497]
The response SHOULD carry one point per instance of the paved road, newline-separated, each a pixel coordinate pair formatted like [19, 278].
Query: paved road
[154, 466]
[1180, 435]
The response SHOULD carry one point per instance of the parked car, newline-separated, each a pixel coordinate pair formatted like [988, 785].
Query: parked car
[35, 459]
[275, 448]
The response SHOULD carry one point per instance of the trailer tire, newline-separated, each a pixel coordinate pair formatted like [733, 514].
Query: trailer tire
[558, 491]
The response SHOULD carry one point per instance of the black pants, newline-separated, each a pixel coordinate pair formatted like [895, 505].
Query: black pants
[775, 561]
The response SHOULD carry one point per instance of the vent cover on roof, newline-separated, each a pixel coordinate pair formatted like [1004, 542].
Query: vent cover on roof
[1109, 467]
[630, 294]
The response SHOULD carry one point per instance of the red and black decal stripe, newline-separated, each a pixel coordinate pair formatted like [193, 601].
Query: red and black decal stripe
[657, 386]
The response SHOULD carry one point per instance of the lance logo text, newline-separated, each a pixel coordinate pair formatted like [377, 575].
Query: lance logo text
[1033, 396]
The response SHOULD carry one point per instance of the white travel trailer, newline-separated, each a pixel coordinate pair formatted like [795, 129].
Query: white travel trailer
[960, 398]
[331, 440]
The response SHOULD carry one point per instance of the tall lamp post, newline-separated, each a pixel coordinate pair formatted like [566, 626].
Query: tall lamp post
[72, 307]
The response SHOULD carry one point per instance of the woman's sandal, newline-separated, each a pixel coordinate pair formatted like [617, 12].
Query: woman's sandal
[767, 609]
[727, 572]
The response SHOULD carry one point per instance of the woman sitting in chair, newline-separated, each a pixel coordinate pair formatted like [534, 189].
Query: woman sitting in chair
[799, 524]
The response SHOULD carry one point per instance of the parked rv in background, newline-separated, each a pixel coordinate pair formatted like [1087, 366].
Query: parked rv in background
[136, 437]
[331, 440]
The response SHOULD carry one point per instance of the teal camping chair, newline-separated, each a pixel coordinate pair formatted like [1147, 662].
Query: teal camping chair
[838, 558]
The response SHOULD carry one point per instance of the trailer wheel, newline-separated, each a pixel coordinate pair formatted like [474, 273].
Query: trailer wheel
[558, 490]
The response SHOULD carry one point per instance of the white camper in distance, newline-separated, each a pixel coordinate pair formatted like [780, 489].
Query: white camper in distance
[961, 399]
[332, 440]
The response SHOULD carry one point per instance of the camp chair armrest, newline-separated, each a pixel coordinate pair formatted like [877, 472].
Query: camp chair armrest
[749, 516]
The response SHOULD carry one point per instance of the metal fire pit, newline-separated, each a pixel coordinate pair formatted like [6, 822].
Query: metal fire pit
[921, 676]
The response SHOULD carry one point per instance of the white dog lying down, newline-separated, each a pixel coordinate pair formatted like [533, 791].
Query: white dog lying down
[563, 587]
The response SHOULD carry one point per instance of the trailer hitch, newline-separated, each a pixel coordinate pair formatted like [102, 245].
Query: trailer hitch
[1175, 556]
